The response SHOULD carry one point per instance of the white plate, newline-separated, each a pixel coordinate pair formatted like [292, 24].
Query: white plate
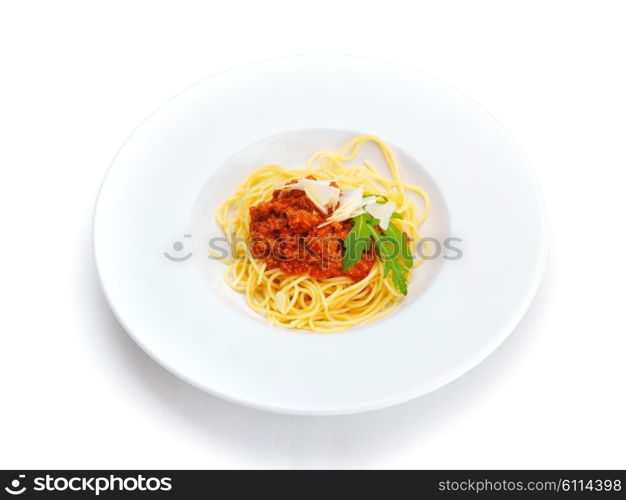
[193, 151]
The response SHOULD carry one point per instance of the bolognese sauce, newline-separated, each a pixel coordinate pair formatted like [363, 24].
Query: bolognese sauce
[284, 233]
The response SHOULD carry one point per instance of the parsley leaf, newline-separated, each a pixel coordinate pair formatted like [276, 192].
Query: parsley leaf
[393, 263]
[357, 241]
[392, 248]
[401, 241]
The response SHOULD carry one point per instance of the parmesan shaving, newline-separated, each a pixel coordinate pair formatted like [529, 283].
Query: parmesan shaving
[350, 203]
[280, 299]
[321, 193]
[370, 199]
[382, 212]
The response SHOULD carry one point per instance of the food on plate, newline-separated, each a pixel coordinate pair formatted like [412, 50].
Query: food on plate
[328, 246]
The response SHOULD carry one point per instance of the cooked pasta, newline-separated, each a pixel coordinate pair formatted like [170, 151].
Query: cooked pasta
[319, 300]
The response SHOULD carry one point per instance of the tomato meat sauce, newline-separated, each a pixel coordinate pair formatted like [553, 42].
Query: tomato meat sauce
[284, 233]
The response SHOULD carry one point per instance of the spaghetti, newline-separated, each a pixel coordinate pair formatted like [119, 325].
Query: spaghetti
[328, 303]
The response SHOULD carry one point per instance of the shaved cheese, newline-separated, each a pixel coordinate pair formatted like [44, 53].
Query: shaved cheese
[350, 203]
[382, 212]
[321, 193]
[370, 199]
[280, 299]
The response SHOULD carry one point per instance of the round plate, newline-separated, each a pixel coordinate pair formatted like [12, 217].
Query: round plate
[154, 223]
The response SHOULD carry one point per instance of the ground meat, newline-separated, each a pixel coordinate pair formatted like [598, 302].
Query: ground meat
[284, 233]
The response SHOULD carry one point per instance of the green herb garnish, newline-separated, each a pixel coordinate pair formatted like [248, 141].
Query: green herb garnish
[392, 248]
[357, 241]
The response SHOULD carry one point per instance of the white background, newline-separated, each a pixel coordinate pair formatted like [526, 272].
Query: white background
[75, 80]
